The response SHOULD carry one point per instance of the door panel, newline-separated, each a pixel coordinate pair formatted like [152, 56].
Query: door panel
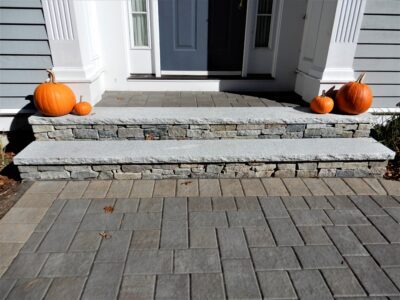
[183, 34]
[226, 28]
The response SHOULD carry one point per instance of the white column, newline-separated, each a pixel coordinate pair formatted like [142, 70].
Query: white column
[73, 39]
[329, 44]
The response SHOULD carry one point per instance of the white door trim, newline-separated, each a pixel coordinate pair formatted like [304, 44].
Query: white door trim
[248, 32]
[156, 38]
[277, 35]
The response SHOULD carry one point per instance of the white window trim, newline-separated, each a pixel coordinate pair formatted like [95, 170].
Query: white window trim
[131, 29]
[272, 15]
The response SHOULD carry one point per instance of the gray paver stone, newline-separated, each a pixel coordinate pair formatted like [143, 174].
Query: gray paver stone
[310, 217]
[240, 279]
[309, 284]
[386, 255]
[172, 287]
[138, 221]
[149, 262]
[197, 261]
[276, 285]
[275, 258]
[246, 218]
[30, 289]
[343, 283]
[115, 248]
[207, 286]
[26, 265]
[259, 237]
[138, 287]
[371, 276]
[68, 264]
[273, 207]
[203, 238]
[314, 235]
[285, 232]
[104, 281]
[232, 243]
[319, 257]
[345, 240]
[210, 219]
[347, 217]
[66, 288]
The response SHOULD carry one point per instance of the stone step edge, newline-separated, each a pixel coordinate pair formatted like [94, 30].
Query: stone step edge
[201, 115]
[193, 159]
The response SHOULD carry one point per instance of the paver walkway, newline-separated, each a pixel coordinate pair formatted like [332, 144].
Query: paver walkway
[203, 239]
[199, 99]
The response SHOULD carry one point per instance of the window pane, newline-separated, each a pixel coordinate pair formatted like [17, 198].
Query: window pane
[264, 6]
[262, 31]
[138, 5]
[140, 30]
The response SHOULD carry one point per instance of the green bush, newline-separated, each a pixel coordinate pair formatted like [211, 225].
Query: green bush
[388, 133]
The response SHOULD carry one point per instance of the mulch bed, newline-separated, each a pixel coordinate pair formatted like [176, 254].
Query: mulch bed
[393, 169]
[9, 183]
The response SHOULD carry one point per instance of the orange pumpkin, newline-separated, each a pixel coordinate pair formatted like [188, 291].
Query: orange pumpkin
[354, 97]
[82, 108]
[54, 99]
[322, 104]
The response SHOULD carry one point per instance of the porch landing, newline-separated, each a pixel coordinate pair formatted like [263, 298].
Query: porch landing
[199, 99]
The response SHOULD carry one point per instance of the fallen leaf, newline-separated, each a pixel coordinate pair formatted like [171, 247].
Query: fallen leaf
[186, 182]
[108, 209]
[105, 235]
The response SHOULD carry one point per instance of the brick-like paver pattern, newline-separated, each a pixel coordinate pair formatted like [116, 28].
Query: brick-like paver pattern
[169, 242]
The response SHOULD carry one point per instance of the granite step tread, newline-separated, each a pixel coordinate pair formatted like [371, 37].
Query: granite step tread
[201, 115]
[201, 151]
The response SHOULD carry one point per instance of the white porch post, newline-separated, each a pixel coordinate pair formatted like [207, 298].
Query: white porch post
[329, 45]
[73, 39]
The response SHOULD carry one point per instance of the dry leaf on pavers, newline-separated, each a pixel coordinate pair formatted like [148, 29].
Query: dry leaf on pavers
[105, 235]
[187, 182]
[108, 209]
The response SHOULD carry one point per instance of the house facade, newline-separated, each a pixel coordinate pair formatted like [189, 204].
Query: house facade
[197, 45]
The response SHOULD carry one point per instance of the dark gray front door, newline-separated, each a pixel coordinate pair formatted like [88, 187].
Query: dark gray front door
[183, 34]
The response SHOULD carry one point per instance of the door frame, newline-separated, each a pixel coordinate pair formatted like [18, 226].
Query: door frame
[249, 31]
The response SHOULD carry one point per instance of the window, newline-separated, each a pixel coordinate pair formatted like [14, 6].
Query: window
[139, 23]
[263, 27]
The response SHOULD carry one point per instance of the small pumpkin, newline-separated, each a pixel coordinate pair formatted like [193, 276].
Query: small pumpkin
[54, 99]
[82, 108]
[354, 97]
[322, 104]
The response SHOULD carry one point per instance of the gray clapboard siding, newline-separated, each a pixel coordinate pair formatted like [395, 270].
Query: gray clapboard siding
[23, 32]
[21, 3]
[381, 22]
[386, 102]
[378, 51]
[381, 77]
[376, 64]
[22, 76]
[17, 102]
[16, 90]
[385, 7]
[25, 47]
[392, 51]
[379, 37]
[24, 52]
[386, 90]
[21, 16]
[25, 62]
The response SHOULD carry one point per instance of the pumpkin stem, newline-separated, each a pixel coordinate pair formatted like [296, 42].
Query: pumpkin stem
[51, 76]
[330, 90]
[323, 93]
[361, 78]
[80, 98]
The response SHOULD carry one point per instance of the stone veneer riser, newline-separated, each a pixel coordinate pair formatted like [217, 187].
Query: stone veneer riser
[205, 170]
[199, 131]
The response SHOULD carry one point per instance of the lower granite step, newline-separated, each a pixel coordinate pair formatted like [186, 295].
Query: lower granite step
[340, 157]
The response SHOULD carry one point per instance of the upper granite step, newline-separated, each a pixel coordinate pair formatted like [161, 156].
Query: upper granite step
[105, 123]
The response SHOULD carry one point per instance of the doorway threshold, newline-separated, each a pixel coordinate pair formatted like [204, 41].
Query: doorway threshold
[201, 77]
